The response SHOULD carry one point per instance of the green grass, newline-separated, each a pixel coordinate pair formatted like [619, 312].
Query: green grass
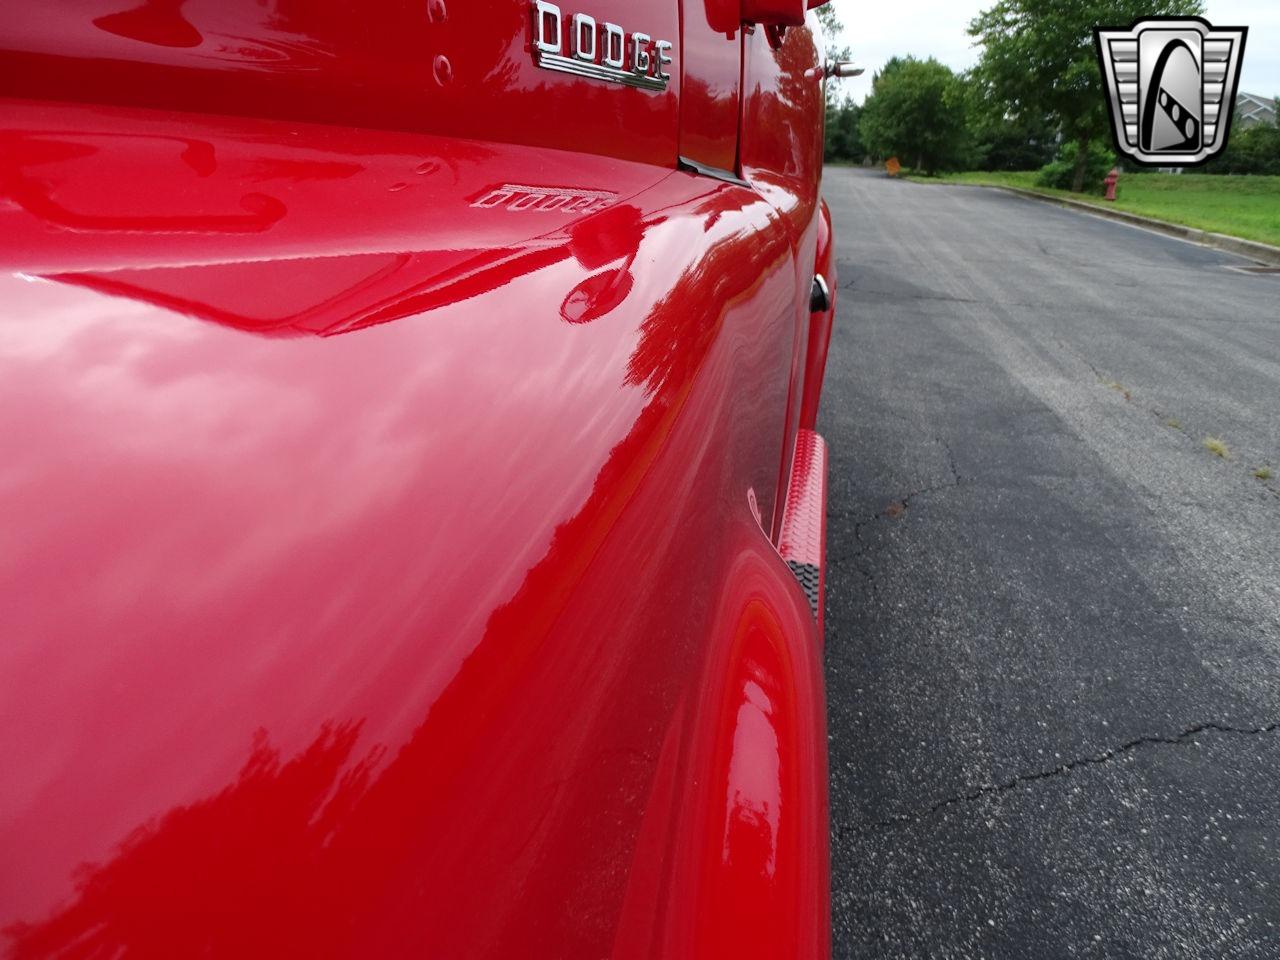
[1247, 207]
[1217, 448]
[1263, 473]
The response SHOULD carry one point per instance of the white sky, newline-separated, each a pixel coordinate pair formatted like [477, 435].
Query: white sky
[877, 30]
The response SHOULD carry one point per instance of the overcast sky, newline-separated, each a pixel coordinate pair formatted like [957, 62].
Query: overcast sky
[876, 30]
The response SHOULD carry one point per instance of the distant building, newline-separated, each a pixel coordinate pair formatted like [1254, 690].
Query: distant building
[1251, 109]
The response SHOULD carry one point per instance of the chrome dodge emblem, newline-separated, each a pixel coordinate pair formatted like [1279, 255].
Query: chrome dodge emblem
[604, 51]
[1171, 86]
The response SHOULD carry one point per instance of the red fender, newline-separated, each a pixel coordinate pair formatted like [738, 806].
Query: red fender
[744, 844]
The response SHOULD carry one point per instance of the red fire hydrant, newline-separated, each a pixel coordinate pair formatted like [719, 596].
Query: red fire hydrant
[1111, 180]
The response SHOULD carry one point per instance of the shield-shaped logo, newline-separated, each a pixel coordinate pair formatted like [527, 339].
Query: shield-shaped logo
[1171, 87]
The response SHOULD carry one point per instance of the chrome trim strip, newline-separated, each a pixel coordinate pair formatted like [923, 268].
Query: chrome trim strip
[595, 71]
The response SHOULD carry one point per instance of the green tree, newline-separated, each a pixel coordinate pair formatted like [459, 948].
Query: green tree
[1001, 142]
[1038, 59]
[916, 111]
[843, 141]
[832, 49]
[1061, 171]
[1251, 149]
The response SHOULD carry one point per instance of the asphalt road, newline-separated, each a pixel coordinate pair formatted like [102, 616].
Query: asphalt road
[1053, 614]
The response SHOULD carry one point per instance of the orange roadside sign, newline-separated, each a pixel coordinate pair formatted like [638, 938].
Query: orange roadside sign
[893, 166]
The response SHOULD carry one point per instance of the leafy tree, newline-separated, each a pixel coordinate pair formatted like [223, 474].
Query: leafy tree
[1251, 149]
[1099, 159]
[1013, 145]
[833, 51]
[1001, 142]
[916, 111]
[841, 131]
[843, 141]
[1039, 60]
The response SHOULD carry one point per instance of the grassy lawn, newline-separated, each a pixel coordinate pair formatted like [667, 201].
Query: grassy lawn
[1246, 207]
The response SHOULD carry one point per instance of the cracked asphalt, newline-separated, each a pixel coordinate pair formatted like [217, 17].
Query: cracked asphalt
[1053, 614]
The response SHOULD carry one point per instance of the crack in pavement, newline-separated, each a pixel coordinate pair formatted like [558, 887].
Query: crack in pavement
[895, 509]
[1064, 769]
[898, 507]
[951, 462]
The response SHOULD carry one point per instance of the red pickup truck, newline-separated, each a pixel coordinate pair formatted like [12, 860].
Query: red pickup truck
[411, 519]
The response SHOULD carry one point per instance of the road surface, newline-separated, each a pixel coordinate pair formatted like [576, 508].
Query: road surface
[1053, 612]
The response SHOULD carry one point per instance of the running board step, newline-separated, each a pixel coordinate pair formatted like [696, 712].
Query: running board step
[803, 540]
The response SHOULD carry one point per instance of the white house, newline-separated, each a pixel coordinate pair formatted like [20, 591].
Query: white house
[1251, 109]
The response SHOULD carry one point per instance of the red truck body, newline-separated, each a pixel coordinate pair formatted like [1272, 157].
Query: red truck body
[408, 482]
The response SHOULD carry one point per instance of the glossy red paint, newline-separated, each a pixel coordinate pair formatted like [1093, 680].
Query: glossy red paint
[820, 323]
[787, 13]
[386, 561]
[449, 67]
[710, 101]
[781, 156]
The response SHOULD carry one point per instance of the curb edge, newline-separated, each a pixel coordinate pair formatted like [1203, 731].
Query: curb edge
[1250, 249]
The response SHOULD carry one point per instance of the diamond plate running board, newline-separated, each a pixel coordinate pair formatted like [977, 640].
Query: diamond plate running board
[802, 542]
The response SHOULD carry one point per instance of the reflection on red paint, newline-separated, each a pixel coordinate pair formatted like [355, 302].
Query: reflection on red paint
[751, 821]
[153, 21]
[596, 296]
[330, 551]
